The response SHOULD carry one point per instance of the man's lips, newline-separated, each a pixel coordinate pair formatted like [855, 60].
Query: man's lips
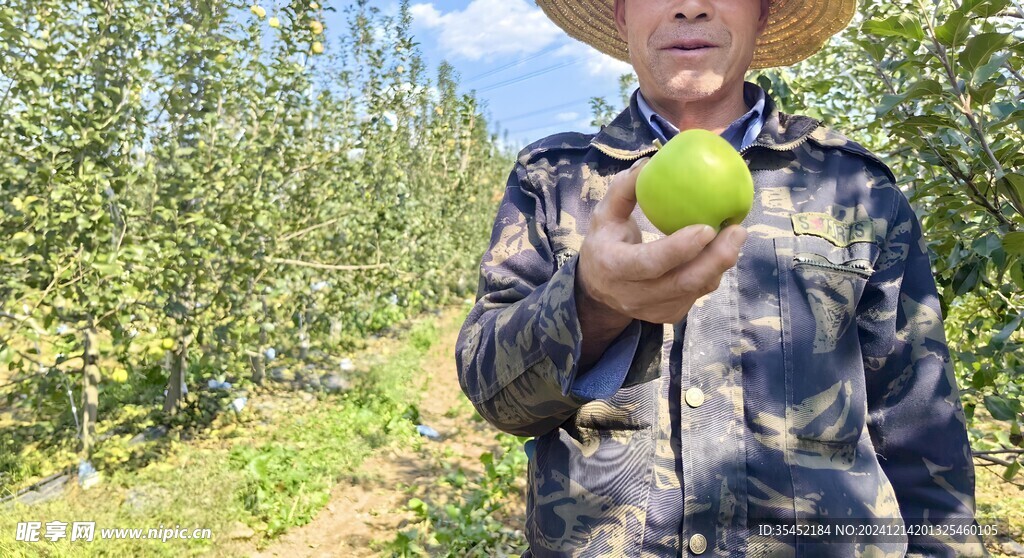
[690, 44]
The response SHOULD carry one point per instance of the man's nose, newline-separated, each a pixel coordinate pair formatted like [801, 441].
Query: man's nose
[694, 10]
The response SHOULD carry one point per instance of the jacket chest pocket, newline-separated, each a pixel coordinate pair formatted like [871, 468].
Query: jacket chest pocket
[820, 286]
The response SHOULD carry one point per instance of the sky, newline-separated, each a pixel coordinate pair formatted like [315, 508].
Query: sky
[532, 78]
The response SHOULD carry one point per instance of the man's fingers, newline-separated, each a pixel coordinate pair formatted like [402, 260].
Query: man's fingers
[620, 199]
[704, 271]
[736, 235]
[651, 260]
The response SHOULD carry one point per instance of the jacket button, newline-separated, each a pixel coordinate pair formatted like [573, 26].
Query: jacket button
[694, 397]
[698, 544]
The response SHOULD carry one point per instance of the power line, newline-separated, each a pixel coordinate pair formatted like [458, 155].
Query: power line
[529, 75]
[535, 128]
[544, 110]
[491, 72]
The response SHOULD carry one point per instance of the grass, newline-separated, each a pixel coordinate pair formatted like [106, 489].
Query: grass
[467, 515]
[1000, 504]
[258, 472]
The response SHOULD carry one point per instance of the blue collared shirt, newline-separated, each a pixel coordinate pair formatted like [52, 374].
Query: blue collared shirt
[741, 133]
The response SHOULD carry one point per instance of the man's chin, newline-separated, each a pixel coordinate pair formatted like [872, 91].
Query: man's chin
[693, 86]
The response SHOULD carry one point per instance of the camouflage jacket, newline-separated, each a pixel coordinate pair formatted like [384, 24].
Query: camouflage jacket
[814, 383]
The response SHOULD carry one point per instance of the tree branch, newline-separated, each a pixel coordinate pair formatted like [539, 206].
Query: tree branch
[328, 267]
[973, 194]
[965, 109]
[994, 460]
[307, 230]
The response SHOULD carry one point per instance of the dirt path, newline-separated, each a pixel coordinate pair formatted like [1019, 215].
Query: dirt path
[372, 506]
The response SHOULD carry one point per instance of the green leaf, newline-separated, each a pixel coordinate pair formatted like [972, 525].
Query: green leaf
[954, 31]
[453, 511]
[987, 244]
[928, 87]
[983, 378]
[983, 95]
[1013, 243]
[418, 506]
[925, 123]
[1000, 408]
[988, 8]
[1003, 109]
[1017, 273]
[984, 73]
[903, 25]
[875, 49]
[955, 256]
[1004, 334]
[980, 49]
[1012, 186]
[24, 236]
[967, 277]
[107, 269]
[36, 78]
[1011, 471]
[981, 7]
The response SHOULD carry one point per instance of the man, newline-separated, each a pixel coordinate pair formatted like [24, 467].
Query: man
[704, 394]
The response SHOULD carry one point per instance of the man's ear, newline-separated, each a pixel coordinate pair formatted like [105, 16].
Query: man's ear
[620, 18]
[762, 22]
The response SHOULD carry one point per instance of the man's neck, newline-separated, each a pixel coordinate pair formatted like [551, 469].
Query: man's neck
[712, 113]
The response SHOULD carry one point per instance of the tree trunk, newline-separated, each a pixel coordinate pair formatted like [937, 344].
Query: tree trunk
[90, 391]
[179, 366]
[303, 336]
[259, 362]
[259, 371]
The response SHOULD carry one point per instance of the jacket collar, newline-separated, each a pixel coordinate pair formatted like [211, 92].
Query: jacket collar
[628, 137]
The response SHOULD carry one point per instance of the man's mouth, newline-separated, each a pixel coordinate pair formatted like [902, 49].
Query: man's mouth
[691, 45]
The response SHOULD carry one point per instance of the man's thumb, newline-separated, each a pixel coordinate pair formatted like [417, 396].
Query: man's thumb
[620, 199]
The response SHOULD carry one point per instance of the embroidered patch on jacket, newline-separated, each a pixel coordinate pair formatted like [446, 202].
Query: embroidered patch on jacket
[837, 232]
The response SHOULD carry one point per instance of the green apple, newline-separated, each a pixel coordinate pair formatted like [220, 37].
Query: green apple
[697, 177]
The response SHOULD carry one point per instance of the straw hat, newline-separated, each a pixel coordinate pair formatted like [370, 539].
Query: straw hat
[796, 28]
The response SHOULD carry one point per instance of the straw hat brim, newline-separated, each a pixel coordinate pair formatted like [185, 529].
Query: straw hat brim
[796, 28]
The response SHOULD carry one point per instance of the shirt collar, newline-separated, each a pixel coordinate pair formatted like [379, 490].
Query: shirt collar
[740, 133]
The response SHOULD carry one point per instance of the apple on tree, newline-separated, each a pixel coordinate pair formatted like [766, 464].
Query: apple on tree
[697, 177]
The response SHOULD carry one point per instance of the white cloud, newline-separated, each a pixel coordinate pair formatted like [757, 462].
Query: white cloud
[392, 9]
[600, 64]
[584, 125]
[488, 28]
[597, 63]
[426, 14]
[567, 116]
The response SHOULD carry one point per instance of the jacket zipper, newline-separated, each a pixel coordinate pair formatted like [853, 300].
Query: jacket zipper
[631, 157]
[863, 270]
[786, 146]
[657, 145]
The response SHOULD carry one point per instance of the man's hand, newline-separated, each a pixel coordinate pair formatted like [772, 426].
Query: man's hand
[620, 278]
